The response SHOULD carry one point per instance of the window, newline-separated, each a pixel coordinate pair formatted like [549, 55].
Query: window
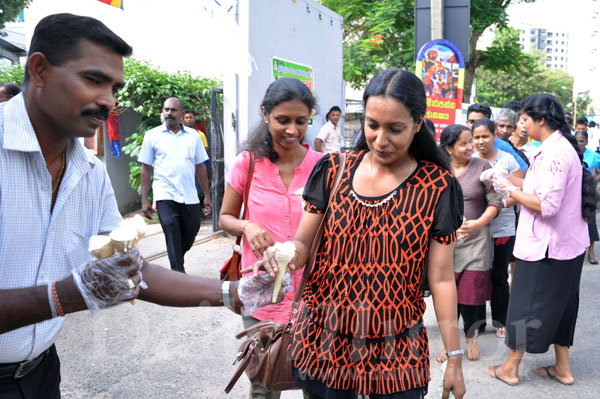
[548, 50]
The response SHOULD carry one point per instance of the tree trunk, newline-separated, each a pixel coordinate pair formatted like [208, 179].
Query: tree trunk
[474, 62]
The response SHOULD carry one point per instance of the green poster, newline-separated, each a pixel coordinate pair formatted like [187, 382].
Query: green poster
[283, 68]
[288, 69]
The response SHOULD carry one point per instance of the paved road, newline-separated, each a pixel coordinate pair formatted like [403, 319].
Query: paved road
[148, 351]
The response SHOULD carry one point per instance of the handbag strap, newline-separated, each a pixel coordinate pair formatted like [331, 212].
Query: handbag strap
[316, 241]
[238, 240]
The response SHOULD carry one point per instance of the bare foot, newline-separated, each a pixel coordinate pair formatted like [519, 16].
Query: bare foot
[442, 356]
[553, 372]
[498, 373]
[473, 350]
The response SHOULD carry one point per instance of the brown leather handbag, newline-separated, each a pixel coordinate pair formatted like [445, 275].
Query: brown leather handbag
[264, 354]
[230, 271]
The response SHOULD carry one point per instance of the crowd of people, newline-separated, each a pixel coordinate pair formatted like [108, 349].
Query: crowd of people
[498, 194]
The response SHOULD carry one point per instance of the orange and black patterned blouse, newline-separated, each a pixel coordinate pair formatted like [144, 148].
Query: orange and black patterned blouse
[361, 324]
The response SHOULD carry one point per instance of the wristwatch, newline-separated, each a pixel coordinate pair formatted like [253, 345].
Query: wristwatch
[225, 292]
[457, 352]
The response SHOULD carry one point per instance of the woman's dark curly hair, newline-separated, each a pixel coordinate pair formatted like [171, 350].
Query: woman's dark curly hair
[282, 90]
[408, 89]
[546, 106]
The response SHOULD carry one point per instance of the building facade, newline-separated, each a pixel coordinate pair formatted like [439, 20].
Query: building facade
[554, 44]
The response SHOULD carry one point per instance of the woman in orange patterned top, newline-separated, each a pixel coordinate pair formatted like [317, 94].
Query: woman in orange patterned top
[360, 331]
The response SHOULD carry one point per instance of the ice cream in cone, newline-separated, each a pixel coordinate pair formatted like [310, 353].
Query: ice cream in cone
[100, 247]
[283, 252]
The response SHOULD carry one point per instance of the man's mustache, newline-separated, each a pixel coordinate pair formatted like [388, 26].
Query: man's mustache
[100, 113]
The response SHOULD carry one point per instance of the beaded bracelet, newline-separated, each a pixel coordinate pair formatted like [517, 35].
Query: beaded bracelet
[59, 310]
[51, 301]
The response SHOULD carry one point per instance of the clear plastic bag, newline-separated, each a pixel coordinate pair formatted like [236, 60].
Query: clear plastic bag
[107, 282]
[258, 291]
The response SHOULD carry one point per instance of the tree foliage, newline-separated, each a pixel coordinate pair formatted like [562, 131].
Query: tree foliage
[381, 33]
[13, 73]
[501, 57]
[146, 88]
[495, 86]
[10, 9]
[376, 34]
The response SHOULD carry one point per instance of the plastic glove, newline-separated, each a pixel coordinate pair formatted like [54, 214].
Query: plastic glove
[503, 186]
[105, 282]
[487, 175]
[258, 291]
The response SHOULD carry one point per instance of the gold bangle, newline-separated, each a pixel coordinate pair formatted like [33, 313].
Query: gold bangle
[244, 226]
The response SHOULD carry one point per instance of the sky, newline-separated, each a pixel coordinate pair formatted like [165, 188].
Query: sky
[573, 17]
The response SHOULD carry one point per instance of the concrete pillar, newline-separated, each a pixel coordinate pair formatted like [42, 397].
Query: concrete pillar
[437, 19]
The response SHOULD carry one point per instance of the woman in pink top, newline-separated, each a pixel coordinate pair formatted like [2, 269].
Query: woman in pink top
[281, 169]
[557, 195]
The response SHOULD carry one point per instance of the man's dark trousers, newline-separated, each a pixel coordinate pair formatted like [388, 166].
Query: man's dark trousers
[180, 224]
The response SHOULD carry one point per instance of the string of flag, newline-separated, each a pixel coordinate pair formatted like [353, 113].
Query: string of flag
[311, 10]
[114, 3]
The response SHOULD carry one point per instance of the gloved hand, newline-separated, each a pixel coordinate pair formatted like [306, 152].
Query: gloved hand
[258, 291]
[487, 175]
[503, 186]
[106, 282]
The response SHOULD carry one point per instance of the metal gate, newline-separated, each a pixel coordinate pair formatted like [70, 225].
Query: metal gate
[217, 159]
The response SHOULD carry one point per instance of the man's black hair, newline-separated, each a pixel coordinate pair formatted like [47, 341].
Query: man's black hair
[569, 119]
[582, 120]
[189, 111]
[514, 105]
[10, 88]
[481, 108]
[57, 37]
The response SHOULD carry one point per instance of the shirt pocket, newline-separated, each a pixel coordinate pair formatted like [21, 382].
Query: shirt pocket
[76, 253]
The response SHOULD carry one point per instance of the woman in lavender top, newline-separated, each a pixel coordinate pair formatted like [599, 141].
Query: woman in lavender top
[557, 196]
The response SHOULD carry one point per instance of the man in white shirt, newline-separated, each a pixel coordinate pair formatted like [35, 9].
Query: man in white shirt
[55, 195]
[330, 137]
[177, 155]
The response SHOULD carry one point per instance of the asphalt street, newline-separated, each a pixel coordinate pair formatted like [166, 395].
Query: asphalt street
[148, 351]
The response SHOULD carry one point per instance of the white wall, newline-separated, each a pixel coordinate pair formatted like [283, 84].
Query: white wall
[282, 29]
[193, 35]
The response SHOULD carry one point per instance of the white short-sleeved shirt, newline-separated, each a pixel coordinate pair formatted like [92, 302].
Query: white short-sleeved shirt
[331, 136]
[174, 158]
[38, 246]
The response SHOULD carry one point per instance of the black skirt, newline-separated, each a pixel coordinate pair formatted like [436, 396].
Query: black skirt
[593, 230]
[543, 305]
